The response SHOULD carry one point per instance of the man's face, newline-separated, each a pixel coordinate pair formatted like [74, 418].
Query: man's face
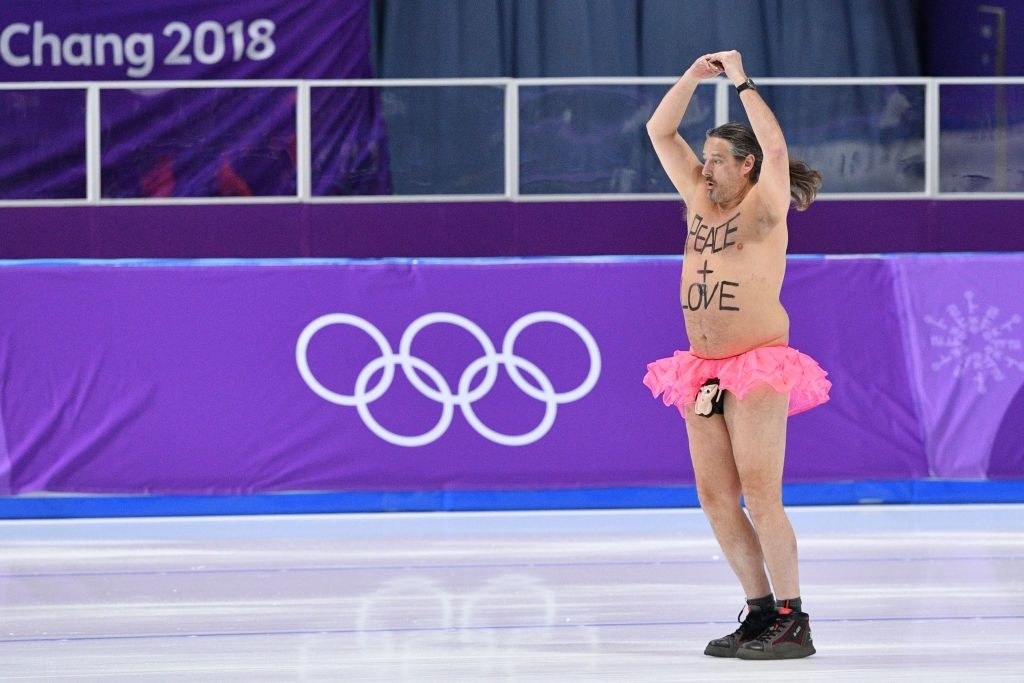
[724, 178]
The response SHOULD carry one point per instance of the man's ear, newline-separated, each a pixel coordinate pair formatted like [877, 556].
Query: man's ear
[748, 164]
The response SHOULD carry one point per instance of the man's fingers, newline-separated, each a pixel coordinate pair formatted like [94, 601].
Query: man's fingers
[713, 62]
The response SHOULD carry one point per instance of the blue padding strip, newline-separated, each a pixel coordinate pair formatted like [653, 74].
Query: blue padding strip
[833, 493]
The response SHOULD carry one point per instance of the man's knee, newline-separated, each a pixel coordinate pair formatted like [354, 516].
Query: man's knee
[762, 501]
[714, 497]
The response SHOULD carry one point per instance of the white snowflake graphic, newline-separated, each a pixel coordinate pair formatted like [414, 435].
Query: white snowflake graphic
[975, 343]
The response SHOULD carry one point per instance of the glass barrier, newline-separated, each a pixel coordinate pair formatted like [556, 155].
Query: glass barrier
[580, 138]
[591, 139]
[862, 138]
[440, 140]
[42, 144]
[981, 148]
[198, 142]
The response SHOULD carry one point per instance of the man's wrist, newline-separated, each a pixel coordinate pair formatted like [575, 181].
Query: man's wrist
[746, 84]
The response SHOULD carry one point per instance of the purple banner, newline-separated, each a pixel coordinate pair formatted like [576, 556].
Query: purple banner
[196, 142]
[109, 40]
[241, 377]
[963, 318]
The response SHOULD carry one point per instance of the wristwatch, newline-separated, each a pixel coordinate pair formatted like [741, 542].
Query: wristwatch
[746, 85]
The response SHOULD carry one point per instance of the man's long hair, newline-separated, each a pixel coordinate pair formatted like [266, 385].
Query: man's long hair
[804, 181]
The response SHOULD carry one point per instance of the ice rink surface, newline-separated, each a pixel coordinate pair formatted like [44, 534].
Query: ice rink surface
[895, 593]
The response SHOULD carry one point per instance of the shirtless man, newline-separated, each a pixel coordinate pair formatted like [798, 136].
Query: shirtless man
[740, 380]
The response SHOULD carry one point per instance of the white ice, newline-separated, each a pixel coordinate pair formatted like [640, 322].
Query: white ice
[895, 593]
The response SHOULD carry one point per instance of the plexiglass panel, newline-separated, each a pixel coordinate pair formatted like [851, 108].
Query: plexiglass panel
[862, 138]
[981, 143]
[413, 140]
[42, 144]
[349, 143]
[445, 139]
[198, 142]
[592, 139]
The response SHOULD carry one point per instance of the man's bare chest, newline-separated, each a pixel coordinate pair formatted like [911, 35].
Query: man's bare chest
[714, 236]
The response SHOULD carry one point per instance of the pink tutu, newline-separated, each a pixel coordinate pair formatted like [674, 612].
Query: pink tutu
[783, 368]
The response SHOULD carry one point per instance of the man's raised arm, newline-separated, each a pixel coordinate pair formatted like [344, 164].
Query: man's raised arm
[774, 179]
[679, 161]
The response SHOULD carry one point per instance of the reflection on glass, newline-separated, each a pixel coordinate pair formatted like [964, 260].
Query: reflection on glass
[981, 143]
[445, 139]
[591, 139]
[349, 143]
[198, 142]
[42, 144]
[450, 140]
[862, 138]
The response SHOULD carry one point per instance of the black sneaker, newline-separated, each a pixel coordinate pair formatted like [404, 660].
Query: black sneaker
[755, 622]
[788, 637]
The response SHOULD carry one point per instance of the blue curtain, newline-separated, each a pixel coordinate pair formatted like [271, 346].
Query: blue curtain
[537, 38]
[579, 140]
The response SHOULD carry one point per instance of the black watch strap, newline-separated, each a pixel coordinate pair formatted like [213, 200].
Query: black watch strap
[746, 85]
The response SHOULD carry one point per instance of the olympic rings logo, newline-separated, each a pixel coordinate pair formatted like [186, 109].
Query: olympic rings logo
[437, 388]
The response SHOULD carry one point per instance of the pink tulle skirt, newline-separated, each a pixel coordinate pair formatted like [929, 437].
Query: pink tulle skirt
[783, 368]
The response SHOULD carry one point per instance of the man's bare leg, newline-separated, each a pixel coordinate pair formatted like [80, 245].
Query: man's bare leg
[718, 487]
[719, 491]
[757, 433]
